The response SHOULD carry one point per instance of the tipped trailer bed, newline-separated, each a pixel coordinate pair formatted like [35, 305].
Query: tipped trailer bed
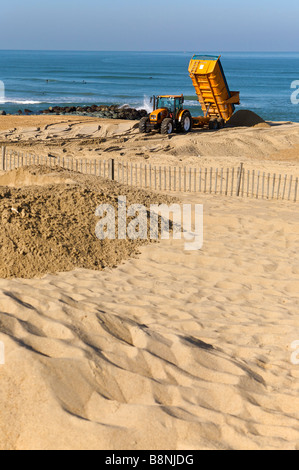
[216, 99]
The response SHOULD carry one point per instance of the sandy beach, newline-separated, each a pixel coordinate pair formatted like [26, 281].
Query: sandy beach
[163, 348]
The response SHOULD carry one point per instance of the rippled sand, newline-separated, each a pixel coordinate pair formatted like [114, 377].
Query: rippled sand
[172, 350]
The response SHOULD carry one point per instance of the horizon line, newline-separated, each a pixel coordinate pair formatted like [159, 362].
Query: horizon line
[145, 51]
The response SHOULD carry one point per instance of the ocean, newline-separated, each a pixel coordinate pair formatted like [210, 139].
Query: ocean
[36, 80]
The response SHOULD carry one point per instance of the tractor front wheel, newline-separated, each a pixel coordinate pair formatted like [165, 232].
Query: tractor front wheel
[167, 126]
[144, 125]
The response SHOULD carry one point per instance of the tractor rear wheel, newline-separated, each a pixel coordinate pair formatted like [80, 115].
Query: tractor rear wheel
[167, 126]
[186, 123]
[144, 125]
[221, 123]
[213, 125]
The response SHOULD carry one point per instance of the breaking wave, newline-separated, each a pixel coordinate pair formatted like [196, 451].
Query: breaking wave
[146, 105]
[9, 101]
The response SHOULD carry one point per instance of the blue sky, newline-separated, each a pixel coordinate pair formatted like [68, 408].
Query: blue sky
[165, 25]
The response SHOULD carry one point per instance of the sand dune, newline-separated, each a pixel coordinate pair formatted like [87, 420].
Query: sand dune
[171, 349]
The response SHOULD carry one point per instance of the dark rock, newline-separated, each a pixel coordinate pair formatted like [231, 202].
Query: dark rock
[70, 109]
[2, 113]
[102, 111]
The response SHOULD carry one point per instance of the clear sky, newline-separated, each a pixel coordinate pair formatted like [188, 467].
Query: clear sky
[154, 25]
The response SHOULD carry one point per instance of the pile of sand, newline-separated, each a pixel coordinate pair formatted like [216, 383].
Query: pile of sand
[246, 118]
[50, 227]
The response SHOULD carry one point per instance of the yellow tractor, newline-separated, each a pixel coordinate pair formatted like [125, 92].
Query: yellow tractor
[168, 116]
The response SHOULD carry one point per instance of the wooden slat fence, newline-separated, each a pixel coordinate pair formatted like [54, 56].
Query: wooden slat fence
[222, 181]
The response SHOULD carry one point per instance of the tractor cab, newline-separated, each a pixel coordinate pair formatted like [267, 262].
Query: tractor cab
[166, 106]
[172, 103]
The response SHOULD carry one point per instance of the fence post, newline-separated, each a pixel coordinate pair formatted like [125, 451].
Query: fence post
[3, 158]
[216, 180]
[112, 169]
[258, 184]
[240, 180]
[284, 186]
[279, 184]
[290, 187]
[233, 180]
[273, 188]
[243, 182]
[200, 180]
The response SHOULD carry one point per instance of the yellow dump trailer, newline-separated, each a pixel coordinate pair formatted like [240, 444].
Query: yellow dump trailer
[214, 95]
